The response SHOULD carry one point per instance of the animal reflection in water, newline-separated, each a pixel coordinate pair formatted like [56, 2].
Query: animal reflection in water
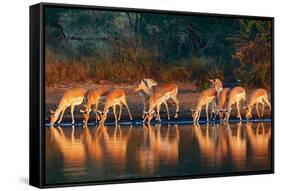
[160, 145]
[100, 145]
[71, 147]
[222, 141]
[260, 140]
[103, 143]
[150, 148]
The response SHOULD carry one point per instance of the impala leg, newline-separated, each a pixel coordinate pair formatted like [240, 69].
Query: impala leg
[127, 107]
[238, 110]
[267, 102]
[145, 117]
[62, 113]
[213, 105]
[96, 109]
[175, 99]
[166, 105]
[114, 112]
[257, 109]
[120, 112]
[207, 114]
[262, 110]
[144, 107]
[158, 113]
[72, 113]
[198, 116]
[215, 115]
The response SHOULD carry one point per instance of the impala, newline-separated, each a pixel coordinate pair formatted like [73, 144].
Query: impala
[223, 96]
[259, 96]
[70, 98]
[93, 97]
[113, 98]
[160, 96]
[217, 84]
[235, 96]
[205, 98]
[145, 91]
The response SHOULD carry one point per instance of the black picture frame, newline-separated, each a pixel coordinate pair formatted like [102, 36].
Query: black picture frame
[37, 96]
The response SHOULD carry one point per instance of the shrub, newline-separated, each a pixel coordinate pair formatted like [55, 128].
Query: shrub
[59, 71]
[202, 69]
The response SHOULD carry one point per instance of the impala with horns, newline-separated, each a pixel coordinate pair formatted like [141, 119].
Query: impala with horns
[235, 96]
[70, 98]
[259, 96]
[93, 98]
[113, 98]
[145, 89]
[222, 101]
[160, 96]
[205, 98]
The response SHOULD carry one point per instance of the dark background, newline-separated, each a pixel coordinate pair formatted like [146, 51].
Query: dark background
[123, 47]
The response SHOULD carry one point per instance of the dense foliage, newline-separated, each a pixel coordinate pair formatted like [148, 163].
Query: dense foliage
[127, 46]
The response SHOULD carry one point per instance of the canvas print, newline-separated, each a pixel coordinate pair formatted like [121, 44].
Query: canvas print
[132, 95]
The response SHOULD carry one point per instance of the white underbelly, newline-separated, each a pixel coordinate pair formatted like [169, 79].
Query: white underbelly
[76, 101]
[211, 99]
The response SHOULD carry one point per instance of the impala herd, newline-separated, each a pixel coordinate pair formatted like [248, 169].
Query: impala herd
[221, 100]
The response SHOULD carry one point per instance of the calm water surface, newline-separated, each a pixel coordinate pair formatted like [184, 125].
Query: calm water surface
[121, 152]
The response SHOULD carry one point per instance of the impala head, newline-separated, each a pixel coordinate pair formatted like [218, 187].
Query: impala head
[140, 86]
[146, 83]
[102, 116]
[149, 116]
[53, 117]
[221, 114]
[216, 83]
[86, 114]
[227, 113]
[150, 82]
[249, 112]
[194, 113]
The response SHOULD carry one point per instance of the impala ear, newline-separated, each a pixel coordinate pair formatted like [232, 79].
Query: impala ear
[244, 107]
[81, 110]
[51, 111]
[89, 110]
[212, 81]
[99, 112]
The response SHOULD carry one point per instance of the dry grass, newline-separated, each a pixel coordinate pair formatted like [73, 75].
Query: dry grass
[64, 72]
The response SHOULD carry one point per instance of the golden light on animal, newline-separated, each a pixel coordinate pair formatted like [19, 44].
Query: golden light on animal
[93, 98]
[70, 98]
[205, 98]
[259, 96]
[222, 102]
[160, 96]
[235, 96]
[113, 98]
[145, 89]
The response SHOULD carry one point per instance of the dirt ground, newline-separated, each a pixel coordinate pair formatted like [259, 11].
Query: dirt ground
[187, 96]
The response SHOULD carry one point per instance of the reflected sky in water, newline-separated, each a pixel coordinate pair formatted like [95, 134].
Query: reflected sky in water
[115, 152]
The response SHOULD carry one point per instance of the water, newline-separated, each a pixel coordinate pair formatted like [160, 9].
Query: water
[113, 152]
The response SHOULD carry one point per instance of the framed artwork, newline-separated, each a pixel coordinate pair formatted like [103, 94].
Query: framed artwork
[127, 95]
